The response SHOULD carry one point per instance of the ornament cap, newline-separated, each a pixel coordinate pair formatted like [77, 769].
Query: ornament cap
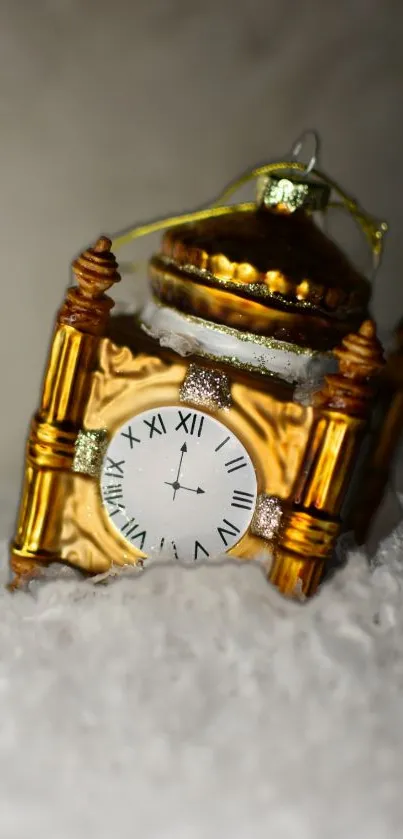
[289, 192]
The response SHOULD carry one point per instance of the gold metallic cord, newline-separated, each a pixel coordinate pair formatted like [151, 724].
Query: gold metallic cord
[373, 229]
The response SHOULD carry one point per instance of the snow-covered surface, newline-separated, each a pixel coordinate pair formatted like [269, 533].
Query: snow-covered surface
[188, 705]
[197, 704]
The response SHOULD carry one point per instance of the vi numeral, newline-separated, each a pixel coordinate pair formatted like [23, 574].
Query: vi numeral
[200, 551]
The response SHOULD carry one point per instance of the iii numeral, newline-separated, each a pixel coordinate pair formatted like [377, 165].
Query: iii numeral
[156, 425]
[236, 463]
[229, 530]
[190, 423]
[243, 500]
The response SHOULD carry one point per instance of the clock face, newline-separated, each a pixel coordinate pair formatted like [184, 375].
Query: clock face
[177, 482]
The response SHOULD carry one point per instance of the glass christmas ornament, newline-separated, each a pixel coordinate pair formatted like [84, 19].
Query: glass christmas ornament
[232, 414]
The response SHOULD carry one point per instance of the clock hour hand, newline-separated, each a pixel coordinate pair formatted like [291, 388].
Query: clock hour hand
[176, 485]
[199, 490]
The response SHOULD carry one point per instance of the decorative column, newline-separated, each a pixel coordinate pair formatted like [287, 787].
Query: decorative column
[312, 524]
[387, 434]
[80, 324]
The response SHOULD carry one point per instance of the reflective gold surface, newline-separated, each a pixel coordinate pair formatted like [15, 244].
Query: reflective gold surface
[312, 521]
[253, 248]
[303, 454]
[273, 431]
[301, 327]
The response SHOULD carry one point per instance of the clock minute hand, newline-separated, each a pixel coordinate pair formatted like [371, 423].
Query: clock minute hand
[184, 449]
[175, 484]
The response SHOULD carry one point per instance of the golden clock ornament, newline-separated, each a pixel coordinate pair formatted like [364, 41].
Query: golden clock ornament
[229, 414]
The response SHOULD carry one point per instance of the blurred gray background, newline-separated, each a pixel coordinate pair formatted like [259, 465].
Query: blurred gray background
[114, 112]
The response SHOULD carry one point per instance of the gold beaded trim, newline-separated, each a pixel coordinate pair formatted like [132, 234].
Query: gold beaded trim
[217, 267]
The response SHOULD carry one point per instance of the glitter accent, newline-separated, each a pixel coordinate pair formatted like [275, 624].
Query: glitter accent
[267, 516]
[206, 388]
[292, 194]
[90, 450]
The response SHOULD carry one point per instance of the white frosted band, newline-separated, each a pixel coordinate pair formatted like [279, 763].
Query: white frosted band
[186, 335]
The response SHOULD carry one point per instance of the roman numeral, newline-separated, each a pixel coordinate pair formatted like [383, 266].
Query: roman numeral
[113, 493]
[129, 435]
[236, 463]
[190, 422]
[243, 500]
[199, 547]
[229, 530]
[129, 531]
[162, 543]
[118, 509]
[222, 444]
[156, 425]
[115, 470]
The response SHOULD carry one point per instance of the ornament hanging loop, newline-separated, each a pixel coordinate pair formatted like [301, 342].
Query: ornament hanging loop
[298, 147]
[373, 229]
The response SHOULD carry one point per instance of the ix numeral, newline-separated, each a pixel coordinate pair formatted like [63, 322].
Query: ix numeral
[229, 530]
[188, 423]
[243, 500]
[156, 425]
[236, 463]
[130, 437]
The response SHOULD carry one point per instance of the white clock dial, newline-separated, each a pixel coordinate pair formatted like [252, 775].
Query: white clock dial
[178, 482]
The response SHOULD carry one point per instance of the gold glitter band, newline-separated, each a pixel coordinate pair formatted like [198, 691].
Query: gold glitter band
[267, 517]
[206, 388]
[90, 450]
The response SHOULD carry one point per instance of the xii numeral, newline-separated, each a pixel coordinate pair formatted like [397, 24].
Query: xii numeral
[190, 423]
[229, 530]
[156, 425]
[243, 500]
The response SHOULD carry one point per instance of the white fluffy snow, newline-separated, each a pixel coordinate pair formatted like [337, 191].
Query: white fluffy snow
[198, 703]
